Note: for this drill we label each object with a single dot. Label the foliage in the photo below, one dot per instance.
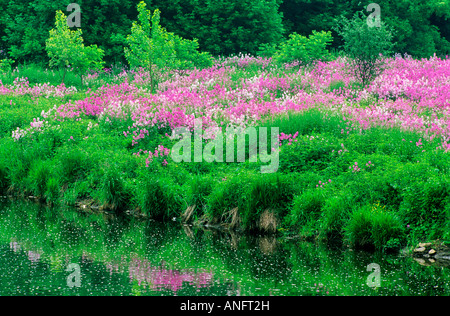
(151, 46)
(361, 165)
(303, 49)
(364, 45)
(224, 27)
(374, 227)
(66, 49)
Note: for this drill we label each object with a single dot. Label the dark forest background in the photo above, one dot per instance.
(222, 27)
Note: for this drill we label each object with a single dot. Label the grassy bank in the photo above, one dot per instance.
(338, 179)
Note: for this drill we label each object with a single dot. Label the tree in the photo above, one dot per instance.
(365, 45)
(224, 27)
(154, 48)
(65, 49)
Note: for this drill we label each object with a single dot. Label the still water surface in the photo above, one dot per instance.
(52, 251)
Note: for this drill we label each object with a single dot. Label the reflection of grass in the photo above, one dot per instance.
(252, 266)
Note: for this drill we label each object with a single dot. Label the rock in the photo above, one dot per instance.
(420, 261)
(424, 244)
(419, 249)
(432, 252)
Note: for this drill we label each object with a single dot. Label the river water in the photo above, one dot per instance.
(56, 251)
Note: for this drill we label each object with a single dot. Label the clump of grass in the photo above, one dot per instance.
(52, 193)
(374, 227)
(267, 201)
(306, 211)
(38, 176)
(226, 196)
(196, 195)
(335, 214)
(158, 197)
(114, 193)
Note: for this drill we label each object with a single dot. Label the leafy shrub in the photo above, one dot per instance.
(65, 49)
(313, 152)
(302, 48)
(152, 47)
(364, 44)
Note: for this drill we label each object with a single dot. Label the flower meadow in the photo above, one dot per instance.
(342, 147)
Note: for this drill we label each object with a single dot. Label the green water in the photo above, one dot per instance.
(123, 256)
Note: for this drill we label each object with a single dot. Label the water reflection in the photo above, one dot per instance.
(122, 256)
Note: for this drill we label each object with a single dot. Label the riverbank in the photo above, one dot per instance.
(365, 167)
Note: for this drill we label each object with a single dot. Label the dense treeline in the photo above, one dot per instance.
(222, 27)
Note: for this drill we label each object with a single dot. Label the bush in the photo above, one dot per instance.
(152, 47)
(364, 44)
(303, 49)
(65, 49)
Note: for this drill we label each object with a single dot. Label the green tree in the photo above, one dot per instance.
(364, 45)
(224, 27)
(65, 49)
(151, 46)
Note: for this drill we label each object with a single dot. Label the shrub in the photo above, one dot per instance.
(152, 47)
(302, 48)
(364, 44)
(65, 49)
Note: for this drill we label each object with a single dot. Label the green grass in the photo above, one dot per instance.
(98, 164)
